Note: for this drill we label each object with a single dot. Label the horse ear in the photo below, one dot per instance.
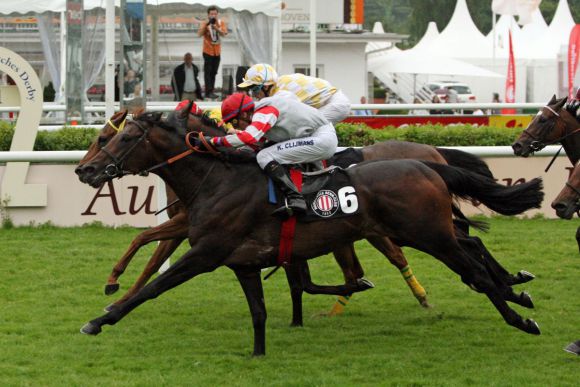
(119, 117)
(561, 103)
(553, 100)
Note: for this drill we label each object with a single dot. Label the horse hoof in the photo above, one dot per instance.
(111, 288)
(526, 300)
(573, 348)
(364, 284)
(523, 276)
(108, 308)
(532, 327)
(296, 324)
(424, 303)
(91, 329)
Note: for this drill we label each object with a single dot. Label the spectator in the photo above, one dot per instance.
(435, 100)
(365, 112)
(418, 112)
(211, 30)
(130, 81)
(496, 99)
(185, 83)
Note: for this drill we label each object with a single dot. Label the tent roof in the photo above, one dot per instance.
(414, 62)
(461, 38)
(430, 35)
(379, 48)
(561, 24)
(502, 28)
(268, 7)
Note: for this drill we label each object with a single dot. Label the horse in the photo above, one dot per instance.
(406, 200)
(568, 200)
(553, 124)
(174, 231)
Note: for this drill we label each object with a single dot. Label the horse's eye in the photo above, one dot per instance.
(126, 138)
(103, 141)
(542, 119)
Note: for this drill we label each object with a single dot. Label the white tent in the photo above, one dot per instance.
(504, 25)
(268, 7)
(561, 25)
(428, 37)
(379, 48)
(423, 62)
(461, 38)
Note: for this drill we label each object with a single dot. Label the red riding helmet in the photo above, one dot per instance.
(236, 103)
(195, 110)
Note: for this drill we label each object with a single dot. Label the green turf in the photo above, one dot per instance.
(52, 280)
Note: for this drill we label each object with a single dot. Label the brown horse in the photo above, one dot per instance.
(552, 125)
(174, 231)
(404, 200)
(568, 200)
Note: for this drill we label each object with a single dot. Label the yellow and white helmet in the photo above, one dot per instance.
(259, 75)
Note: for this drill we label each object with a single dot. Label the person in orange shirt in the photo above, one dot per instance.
(212, 30)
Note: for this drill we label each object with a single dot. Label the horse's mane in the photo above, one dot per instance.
(155, 119)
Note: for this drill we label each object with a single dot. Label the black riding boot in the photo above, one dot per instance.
(294, 201)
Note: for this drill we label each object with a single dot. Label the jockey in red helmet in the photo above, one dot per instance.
(301, 135)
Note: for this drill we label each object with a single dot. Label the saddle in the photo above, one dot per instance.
(328, 192)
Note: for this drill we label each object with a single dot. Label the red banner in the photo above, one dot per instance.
(573, 54)
(510, 82)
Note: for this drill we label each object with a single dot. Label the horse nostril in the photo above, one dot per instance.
(79, 170)
(517, 147)
(559, 206)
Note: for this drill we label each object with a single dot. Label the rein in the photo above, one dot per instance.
(115, 169)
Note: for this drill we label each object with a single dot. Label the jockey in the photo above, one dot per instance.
(301, 135)
(263, 81)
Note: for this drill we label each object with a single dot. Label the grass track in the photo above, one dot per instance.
(51, 282)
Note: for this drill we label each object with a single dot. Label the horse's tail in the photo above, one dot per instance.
(510, 200)
(464, 222)
(465, 160)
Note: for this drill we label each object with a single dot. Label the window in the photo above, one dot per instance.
(305, 69)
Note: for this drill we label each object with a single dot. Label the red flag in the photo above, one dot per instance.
(510, 82)
(573, 54)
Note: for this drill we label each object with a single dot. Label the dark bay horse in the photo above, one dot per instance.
(405, 200)
(568, 200)
(174, 231)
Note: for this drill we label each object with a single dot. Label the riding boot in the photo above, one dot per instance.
(294, 202)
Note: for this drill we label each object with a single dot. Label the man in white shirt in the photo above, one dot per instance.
(184, 82)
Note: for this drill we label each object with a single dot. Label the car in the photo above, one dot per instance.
(441, 88)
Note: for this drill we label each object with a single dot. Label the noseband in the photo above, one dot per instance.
(115, 169)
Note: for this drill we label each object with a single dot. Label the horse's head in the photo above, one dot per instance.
(142, 143)
(568, 200)
(546, 128)
(113, 126)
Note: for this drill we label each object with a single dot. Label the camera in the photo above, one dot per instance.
(212, 20)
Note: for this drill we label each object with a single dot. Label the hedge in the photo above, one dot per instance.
(78, 138)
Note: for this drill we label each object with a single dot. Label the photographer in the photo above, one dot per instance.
(211, 30)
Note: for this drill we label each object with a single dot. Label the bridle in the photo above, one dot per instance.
(538, 144)
(115, 169)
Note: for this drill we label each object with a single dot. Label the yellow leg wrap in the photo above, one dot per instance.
(418, 290)
(338, 307)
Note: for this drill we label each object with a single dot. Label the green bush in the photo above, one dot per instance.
(440, 135)
(78, 138)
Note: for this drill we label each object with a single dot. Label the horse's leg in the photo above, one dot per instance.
(188, 266)
(500, 276)
(175, 227)
(296, 289)
(352, 271)
(358, 285)
(161, 254)
(578, 237)
(252, 285)
(492, 264)
(395, 255)
(474, 273)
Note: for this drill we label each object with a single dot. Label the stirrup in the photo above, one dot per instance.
(286, 211)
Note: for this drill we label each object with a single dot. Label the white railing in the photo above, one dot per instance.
(166, 107)
(67, 156)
